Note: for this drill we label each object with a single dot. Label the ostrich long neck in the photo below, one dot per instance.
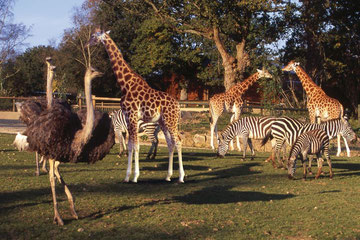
(90, 115)
(49, 80)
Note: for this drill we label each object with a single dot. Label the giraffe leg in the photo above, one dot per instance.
(170, 144)
(338, 145)
(129, 167)
(57, 218)
(136, 165)
(67, 191)
(37, 172)
(213, 130)
(181, 168)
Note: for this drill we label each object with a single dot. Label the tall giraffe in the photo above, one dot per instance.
(319, 104)
(141, 102)
(231, 101)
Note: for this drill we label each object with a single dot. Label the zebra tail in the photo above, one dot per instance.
(266, 139)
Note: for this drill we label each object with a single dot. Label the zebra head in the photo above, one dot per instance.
(347, 132)
(223, 146)
(291, 167)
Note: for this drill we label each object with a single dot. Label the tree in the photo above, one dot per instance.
(12, 36)
(234, 28)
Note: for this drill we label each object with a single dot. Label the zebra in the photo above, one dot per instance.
(246, 128)
(150, 129)
(287, 130)
(311, 142)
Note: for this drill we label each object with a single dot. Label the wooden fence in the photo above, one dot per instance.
(109, 104)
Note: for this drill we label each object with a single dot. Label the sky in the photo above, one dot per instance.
(47, 18)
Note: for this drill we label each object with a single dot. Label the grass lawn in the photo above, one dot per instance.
(221, 199)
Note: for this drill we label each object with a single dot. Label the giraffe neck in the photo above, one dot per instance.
(309, 86)
(123, 72)
(248, 82)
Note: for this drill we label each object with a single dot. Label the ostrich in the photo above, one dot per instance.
(64, 136)
(31, 109)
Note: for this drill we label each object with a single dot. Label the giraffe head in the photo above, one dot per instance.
(97, 37)
(264, 73)
(292, 65)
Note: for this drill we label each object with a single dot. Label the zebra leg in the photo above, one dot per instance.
(303, 161)
(330, 167)
(251, 148)
(320, 163)
(309, 166)
(244, 138)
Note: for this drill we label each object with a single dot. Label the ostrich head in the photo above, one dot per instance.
(90, 74)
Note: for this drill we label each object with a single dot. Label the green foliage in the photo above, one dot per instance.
(30, 72)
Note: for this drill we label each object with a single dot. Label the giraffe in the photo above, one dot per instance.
(231, 101)
(141, 102)
(319, 105)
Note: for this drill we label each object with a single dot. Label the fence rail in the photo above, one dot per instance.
(109, 104)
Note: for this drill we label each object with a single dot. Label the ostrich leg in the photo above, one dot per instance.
(43, 161)
(57, 218)
(37, 172)
(67, 191)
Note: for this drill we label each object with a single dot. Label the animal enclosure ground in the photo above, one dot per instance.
(221, 199)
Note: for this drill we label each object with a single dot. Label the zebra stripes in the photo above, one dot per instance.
(151, 130)
(287, 130)
(246, 128)
(311, 142)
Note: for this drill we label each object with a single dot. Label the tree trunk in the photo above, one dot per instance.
(183, 94)
(232, 66)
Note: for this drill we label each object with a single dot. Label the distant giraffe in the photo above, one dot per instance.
(231, 101)
(141, 102)
(319, 104)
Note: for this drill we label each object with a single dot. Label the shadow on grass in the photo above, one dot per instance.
(348, 169)
(222, 195)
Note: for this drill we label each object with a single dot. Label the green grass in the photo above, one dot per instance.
(221, 199)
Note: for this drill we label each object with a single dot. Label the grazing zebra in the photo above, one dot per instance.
(287, 130)
(151, 130)
(246, 128)
(311, 142)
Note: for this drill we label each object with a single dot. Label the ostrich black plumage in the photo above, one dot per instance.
(64, 136)
(31, 109)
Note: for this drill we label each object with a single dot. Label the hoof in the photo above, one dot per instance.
(290, 177)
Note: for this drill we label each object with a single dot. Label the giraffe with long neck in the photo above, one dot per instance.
(319, 105)
(141, 102)
(231, 101)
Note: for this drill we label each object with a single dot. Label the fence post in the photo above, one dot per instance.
(79, 103)
(13, 104)
(94, 101)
